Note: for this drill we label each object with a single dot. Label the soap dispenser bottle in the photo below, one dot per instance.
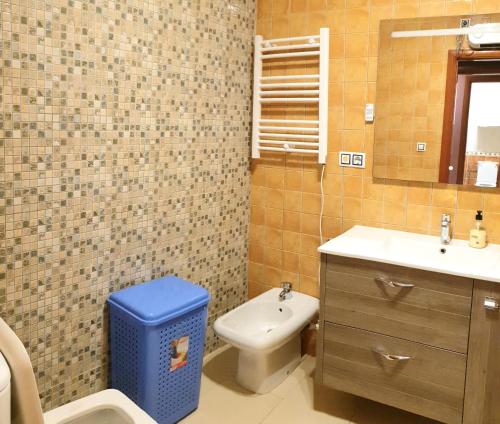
(477, 237)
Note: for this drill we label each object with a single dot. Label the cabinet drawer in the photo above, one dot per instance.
(430, 382)
(435, 309)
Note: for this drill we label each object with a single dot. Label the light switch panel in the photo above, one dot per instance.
(352, 159)
(345, 159)
(421, 147)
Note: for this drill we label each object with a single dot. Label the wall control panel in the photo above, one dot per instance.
(352, 159)
(369, 112)
(421, 147)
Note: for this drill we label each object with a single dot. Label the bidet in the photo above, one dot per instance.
(266, 330)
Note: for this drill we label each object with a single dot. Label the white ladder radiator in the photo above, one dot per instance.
(304, 136)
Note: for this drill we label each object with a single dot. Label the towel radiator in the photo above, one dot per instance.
(304, 136)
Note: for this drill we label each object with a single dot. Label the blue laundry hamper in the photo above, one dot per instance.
(157, 342)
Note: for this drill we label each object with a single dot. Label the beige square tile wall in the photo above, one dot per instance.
(285, 197)
(124, 147)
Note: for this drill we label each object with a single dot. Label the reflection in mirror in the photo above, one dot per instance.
(470, 153)
(483, 135)
(411, 83)
(436, 102)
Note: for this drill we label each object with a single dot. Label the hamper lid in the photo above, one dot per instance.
(160, 300)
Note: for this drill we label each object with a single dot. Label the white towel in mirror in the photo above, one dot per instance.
(487, 173)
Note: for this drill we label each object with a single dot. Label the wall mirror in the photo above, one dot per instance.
(438, 100)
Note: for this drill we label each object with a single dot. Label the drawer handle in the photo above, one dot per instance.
(491, 304)
(393, 283)
(390, 357)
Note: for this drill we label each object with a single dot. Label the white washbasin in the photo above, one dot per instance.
(417, 251)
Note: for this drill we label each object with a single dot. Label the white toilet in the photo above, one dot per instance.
(105, 407)
(4, 391)
(266, 330)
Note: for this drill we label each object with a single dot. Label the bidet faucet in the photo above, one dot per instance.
(445, 228)
(287, 288)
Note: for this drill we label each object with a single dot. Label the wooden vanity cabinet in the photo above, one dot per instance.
(412, 339)
(482, 391)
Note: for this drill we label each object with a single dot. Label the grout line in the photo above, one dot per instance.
(272, 410)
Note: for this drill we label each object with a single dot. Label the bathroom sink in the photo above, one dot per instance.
(455, 254)
(417, 251)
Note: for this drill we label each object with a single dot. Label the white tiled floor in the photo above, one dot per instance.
(296, 401)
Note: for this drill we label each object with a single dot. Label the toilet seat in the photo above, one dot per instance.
(107, 406)
(109, 403)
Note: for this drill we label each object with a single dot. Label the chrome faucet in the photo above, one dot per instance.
(445, 228)
(287, 288)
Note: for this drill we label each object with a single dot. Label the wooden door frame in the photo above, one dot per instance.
(449, 154)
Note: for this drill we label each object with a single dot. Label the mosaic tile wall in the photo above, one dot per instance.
(285, 198)
(124, 129)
